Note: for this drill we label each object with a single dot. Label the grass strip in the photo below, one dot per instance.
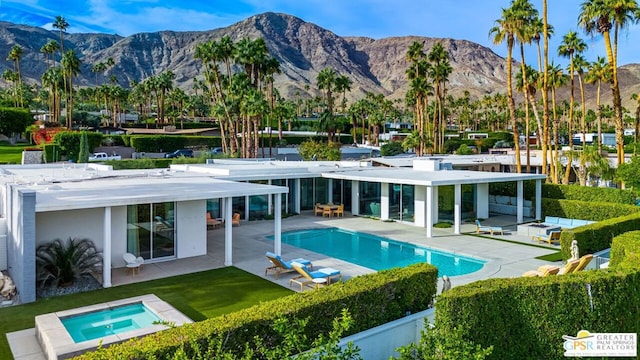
(202, 295)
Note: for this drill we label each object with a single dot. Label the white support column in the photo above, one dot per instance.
(420, 205)
(247, 204)
(457, 207)
(539, 199)
(296, 194)
(429, 218)
(355, 197)
(330, 191)
(277, 226)
(384, 201)
(435, 214)
(223, 209)
(228, 232)
(482, 201)
(519, 211)
(269, 202)
(106, 252)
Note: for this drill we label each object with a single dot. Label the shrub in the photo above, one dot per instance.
(598, 236)
(372, 300)
(60, 264)
(139, 164)
(311, 150)
(391, 149)
(70, 142)
(586, 210)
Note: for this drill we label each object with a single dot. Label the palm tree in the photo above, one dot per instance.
(49, 49)
(557, 79)
(70, 67)
(440, 71)
(15, 54)
(504, 31)
(636, 127)
(546, 32)
(164, 84)
(599, 17)
(52, 78)
(343, 84)
(570, 46)
(599, 71)
(579, 66)
(61, 24)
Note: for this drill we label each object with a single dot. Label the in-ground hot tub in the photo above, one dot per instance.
(70, 333)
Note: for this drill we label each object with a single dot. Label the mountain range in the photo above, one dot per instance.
(302, 48)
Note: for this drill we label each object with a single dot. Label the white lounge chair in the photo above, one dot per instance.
(133, 262)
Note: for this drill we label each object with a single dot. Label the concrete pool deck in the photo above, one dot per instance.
(250, 243)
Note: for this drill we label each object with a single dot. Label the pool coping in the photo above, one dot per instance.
(56, 342)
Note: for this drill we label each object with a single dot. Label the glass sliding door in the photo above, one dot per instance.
(164, 230)
(151, 230)
(401, 202)
(408, 203)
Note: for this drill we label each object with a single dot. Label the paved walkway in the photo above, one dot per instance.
(504, 259)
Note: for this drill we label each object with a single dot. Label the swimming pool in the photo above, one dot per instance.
(111, 321)
(378, 253)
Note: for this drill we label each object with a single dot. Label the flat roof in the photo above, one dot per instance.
(83, 187)
(409, 176)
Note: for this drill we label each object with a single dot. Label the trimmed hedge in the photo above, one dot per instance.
(525, 318)
(586, 210)
(372, 300)
(588, 193)
(567, 192)
(70, 142)
(597, 236)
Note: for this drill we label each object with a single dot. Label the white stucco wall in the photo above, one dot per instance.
(191, 228)
(118, 235)
(80, 224)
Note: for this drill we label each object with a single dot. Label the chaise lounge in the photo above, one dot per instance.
(552, 238)
(280, 266)
(313, 279)
(488, 229)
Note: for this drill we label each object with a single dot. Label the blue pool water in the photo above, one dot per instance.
(378, 253)
(102, 323)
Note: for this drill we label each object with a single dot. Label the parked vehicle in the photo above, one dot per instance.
(102, 156)
(216, 151)
(178, 153)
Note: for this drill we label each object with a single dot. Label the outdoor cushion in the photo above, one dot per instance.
(492, 199)
(551, 220)
(577, 222)
(564, 222)
(504, 200)
(527, 203)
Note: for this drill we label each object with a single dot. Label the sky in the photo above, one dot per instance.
(457, 19)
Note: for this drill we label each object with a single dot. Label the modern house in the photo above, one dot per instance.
(161, 215)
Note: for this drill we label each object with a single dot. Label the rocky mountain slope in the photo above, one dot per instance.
(302, 48)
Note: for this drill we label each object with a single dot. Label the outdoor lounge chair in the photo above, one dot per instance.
(552, 238)
(313, 279)
(133, 262)
(542, 271)
(212, 223)
(488, 229)
(583, 262)
(281, 266)
(569, 267)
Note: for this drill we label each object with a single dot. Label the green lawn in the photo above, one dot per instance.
(11, 154)
(200, 296)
